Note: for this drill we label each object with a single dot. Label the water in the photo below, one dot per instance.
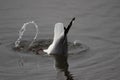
(97, 26)
(22, 30)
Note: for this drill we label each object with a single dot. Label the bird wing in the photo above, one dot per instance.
(69, 26)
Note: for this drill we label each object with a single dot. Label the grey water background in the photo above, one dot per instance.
(97, 25)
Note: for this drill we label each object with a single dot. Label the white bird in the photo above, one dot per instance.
(59, 44)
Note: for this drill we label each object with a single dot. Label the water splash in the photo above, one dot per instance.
(23, 29)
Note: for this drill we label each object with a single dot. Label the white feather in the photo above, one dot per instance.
(59, 44)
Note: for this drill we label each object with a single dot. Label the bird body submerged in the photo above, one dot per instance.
(59, 44)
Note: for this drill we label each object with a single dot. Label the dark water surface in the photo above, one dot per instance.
(97, 25)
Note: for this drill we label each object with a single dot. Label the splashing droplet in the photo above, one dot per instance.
(23, 29)
(76, 42)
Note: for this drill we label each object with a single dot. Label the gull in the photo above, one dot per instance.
(59, 44)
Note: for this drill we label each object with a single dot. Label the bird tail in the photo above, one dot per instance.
(59, 28)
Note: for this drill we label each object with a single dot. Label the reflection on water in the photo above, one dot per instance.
(62, 67)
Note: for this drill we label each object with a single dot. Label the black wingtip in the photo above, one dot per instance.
(69, 26)
(73, 19)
